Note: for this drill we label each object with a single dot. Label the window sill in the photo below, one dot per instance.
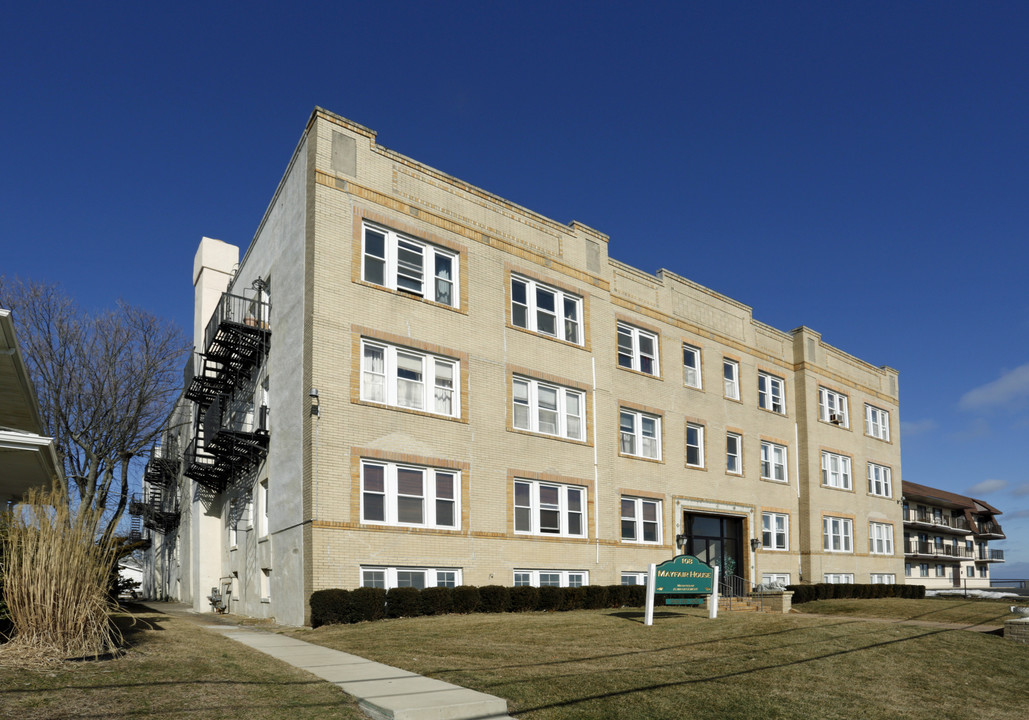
(530, 433)
(641, 457)
(700, 468)
(266, 600)
(409, 411)
(263, 539)
(411, 296)
(639, 372)
(839, 489)
(552, 338)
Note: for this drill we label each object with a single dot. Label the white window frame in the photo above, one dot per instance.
(697, 445)
(880, 538)
(633, 433)
(390, 576)
(431, 500)
(833, 407)
(770, 464)
(632, 356)
(395, 266)
(839, 578)
(265, 579)
(731, 378)
(880, 480)
(783, 578)
(262, 509)
(877, 422)
(692, 374)
(836, 471)
(385, 385)
(532, 521)
(552, 578)
(775, 531)
(634, 578)
(530, 314)
(733, 458)
(529, 414)
(837, 534)
(633, 511)
(771, 393)
(883, 578)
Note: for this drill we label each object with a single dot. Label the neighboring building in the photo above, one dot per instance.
(28, 458)
(947, 538)
(407, 380)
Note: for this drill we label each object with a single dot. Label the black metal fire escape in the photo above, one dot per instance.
(231, 432)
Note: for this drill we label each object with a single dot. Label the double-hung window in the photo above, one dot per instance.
(731, 378)
(637, 349)
(770, 394)
(640, 434)
(641, 520)
(416, 577)
(773, 461)
(409, 265)
(546, 310)
(879, 480)
(886, 578)
(405, 378)
(410, 496)
(551, 578)
(691, 371)
(877, 423)
(775, 531)
(548, 409)
(733, 453)
(694, 445)
(835, 470)
(542, 508)
(837, 534)
(832, 407)
(880, 538)
(840, 578)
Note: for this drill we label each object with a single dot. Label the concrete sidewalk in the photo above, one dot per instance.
(383, 692)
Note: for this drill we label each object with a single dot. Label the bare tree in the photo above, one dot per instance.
(106, 383)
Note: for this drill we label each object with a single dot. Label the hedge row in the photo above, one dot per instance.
(330, 607)
(830, 591)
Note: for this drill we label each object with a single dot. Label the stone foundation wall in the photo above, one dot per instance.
(1017, 630)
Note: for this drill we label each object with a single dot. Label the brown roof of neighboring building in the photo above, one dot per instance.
(973, 504)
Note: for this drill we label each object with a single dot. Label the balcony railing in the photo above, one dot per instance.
(238, 328)
(951, 550)
(989, 555)
(989, 527)
(958, 523)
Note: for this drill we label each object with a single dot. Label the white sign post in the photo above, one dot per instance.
(651, 579)
(712, 599)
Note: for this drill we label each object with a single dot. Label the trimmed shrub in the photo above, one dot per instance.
(617, 595)
(402, 602)
(436, 600)
(466, 599)
(330, 607)
(636, 596)
(494, 598)
(549, 598)
(594, 597)
(524, 598)
(367, 604)
(574, 598)
(829, 591)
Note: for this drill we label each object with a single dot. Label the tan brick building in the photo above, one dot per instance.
(409, 380)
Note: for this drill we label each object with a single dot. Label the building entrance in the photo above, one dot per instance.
(715, 540)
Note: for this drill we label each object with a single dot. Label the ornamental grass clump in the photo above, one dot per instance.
(55, 577)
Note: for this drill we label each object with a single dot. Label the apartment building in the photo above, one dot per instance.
(947, 538)
(409, 381)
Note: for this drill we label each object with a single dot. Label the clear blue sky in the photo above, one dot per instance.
(860, 168)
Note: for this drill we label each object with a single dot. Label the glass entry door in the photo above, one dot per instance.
(715, 540)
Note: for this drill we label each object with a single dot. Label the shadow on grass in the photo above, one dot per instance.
(724, 676)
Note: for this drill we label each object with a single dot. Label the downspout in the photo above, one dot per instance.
(596, 468)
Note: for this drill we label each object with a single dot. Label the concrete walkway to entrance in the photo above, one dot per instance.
(382, 691)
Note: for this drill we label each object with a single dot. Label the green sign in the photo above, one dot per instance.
(684, 574)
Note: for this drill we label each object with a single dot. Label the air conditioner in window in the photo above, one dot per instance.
(836, 419)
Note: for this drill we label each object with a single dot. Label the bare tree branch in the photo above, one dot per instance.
(105, 382)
